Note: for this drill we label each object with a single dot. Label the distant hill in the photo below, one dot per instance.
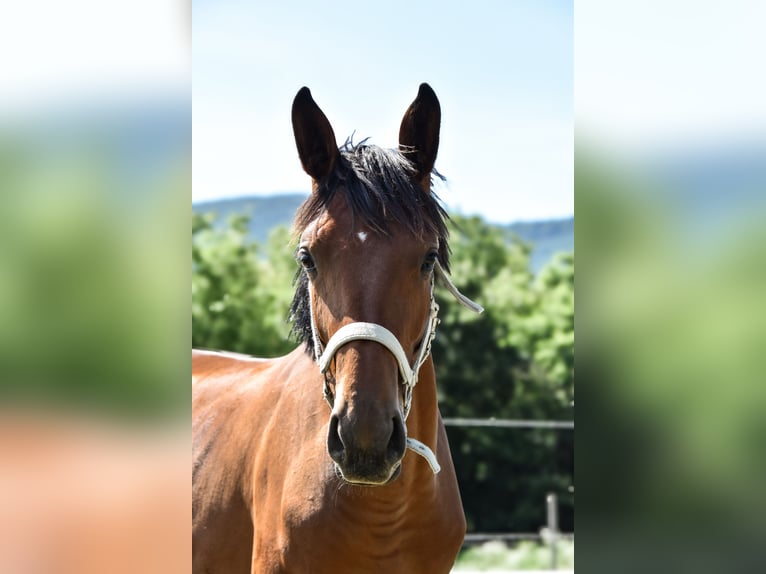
(547, 237)
(265, 212)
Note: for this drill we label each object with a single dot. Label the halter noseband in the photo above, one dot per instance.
(374, 332)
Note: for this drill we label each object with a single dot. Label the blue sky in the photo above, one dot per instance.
(503, 72)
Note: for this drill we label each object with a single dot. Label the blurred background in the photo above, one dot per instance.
(94, 167)
(95, 159)
(670, 189)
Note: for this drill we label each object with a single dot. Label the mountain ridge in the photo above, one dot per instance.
(547, 236)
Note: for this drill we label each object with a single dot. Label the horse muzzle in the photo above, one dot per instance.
(367, 451)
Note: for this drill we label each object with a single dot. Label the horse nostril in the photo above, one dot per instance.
(397, 444)
(334, 443)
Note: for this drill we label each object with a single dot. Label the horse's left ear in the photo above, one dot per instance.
(419, 132)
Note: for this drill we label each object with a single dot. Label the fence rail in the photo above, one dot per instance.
(508, 423)
(478, 537)
(549, 535)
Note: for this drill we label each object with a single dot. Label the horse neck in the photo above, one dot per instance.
(423, 421)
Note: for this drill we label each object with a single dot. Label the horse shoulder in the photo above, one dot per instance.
(291, 466)
(232, 406)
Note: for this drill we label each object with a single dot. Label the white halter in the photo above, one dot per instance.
(379, 334)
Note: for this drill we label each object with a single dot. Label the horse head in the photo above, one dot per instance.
(371, 235)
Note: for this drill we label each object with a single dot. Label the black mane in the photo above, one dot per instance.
(379, 186)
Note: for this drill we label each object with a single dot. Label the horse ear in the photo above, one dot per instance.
(419, 132)
(314, 137)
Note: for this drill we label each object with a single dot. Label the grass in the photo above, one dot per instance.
(525, 555)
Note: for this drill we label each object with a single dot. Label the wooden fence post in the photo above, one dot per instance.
(553, 528)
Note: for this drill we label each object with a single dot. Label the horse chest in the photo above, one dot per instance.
(348, 529)
(365, 545)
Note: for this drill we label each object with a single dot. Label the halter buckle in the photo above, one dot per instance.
(327, 394)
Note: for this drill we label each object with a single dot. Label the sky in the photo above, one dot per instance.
(503, 72)
(680, 74)
(662, 78)
(63, 57)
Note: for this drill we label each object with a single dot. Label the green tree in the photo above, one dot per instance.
(514, 361)
(239, 298)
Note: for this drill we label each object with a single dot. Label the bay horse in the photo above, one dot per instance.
(280, 483)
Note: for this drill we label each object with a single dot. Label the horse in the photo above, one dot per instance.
(283, 484)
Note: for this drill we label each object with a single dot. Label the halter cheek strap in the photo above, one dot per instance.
(374, 332)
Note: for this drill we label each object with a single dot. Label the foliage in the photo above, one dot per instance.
(674, 351)
(514, 361)
(239, 300)
(90, 315)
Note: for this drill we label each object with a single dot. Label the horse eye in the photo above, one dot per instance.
(428, 264)
(306, 261)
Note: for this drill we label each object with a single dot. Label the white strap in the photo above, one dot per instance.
(368, 332)
(421, 449)
(462, 299)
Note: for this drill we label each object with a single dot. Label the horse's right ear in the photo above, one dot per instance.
(419, 132)
(314, 137)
